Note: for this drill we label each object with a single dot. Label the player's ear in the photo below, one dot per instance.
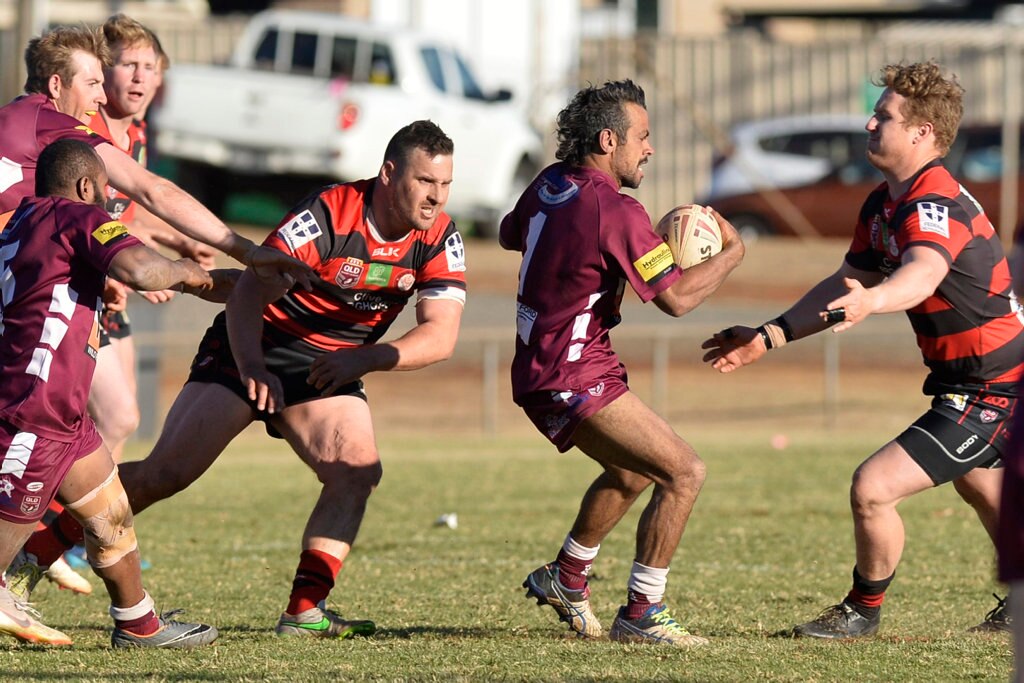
(607, 140)
(54, 86)
(387, 172)
(85, 189)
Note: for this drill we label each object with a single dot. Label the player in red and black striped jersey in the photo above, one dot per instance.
(922, 245)
(295, 359)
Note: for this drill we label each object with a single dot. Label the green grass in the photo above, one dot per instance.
(769, 545)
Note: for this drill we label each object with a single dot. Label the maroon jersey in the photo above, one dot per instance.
(581, 241)
(29, 124)
(971, 329)
(118, 204)
(54, 254)
(364, 280)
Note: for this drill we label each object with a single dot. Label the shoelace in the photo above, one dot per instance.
(665, 620)
(167, 617)
(27, 608)
(995, 610)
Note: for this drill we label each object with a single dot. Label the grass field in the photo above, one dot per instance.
(768, 546)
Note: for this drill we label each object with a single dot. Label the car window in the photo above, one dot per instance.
(432, 61)
(266, 52)
(838, 147)
(382, 65)
(303, 53)
(469, 85)
(343, 58)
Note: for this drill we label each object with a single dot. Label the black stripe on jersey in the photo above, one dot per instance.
(317, 323)
(660, 276)
(995, 363)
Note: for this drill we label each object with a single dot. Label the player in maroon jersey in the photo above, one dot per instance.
(582, 240)
(295, 359)
(65, 82)
(922, 245)
(55, 254)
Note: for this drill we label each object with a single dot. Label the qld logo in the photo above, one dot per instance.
(349, 273)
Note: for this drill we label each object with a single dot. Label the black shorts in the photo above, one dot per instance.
(964, 429)
(114, 325)
(215, 364)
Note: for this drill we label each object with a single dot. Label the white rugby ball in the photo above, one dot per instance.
(692, 234)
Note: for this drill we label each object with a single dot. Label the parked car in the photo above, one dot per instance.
(836, 175)
(311, 96)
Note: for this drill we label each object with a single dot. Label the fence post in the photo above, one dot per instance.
(831, 368)
(489, 403)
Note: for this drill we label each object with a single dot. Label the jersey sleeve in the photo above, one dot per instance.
(305, 232)
(861, 254)
(443, 275)
(93, 235)
(628, 240)
(939, 223)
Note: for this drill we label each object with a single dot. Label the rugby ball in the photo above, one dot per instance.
(692, 234)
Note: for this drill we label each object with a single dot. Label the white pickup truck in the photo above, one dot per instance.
(310, 97)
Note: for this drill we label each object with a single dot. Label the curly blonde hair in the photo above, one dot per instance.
(929, 97)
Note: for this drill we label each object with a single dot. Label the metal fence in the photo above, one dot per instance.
(697, 88)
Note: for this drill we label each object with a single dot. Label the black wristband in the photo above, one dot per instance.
(765, 338)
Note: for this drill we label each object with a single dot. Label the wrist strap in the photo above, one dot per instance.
(775, 333)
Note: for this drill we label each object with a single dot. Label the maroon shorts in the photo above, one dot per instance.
(557, 414)
(33, 469)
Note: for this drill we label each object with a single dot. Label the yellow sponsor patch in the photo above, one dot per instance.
(654, 262)
(87, 129)
(109, 230)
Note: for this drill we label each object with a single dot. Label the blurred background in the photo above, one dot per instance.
(757, 107)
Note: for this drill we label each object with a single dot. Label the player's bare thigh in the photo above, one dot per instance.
(124, 348)
(628, 434)
(200, 425)
(335, 429)
(889, 476)
(111, 394)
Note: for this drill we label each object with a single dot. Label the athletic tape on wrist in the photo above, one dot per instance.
(774, 333)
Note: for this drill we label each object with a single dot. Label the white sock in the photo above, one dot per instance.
(648, 581)
(134, 612)
(580, 552)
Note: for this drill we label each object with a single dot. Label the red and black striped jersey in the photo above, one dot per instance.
(364, 280)
(119, 205)
(970, 330)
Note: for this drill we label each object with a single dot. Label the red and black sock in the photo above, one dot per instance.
(867, 596)
(313, 581)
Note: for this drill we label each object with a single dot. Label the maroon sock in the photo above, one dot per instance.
(637, 605)
(50, 542)
(314, 579)
(572, 571)
(145, 625)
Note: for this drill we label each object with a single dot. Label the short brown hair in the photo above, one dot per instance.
(122, 31)
(52, 52)
(929, 96)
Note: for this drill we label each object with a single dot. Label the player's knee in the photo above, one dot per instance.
(361, 477)
(689, 471)
(115, 426)
(108, 523)
(866, 494)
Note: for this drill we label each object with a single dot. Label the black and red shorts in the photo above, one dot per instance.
(967, 427)
(215, 364)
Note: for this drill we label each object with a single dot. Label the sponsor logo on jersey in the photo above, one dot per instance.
(349, 273)
(997, 401)
(86, 129)
(406, 281)
(30, 504)
(597, 389)
(876, 226)
(300, 230)
(955, 401)
(385, 252)
(933, 217)
(654, 262)
(525, 317)
(966, 444)
(989, 415)
(378, 274)
(110, 232)
(556, 190)
(35, 486)
(364, 301)
(455, 252)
